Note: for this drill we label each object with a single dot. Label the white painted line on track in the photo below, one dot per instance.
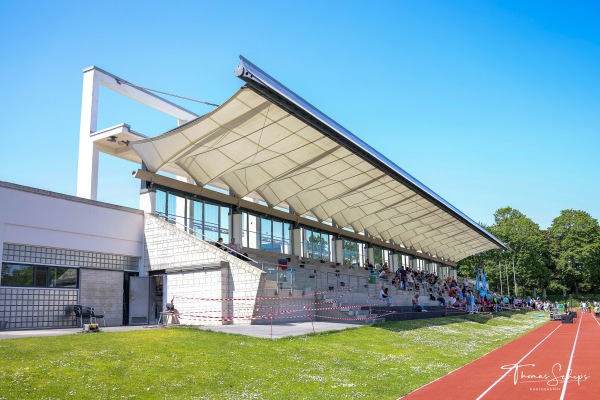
(568, 371)
(518, 362)
(596, 319)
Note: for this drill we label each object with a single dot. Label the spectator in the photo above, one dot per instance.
(219, 243)
(440, 298)
(233, 246)
(411, 281)
(416, 305)
(403, 278)
(470, 302)
(383, 295)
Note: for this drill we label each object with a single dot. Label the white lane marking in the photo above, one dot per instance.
(517, 363)
(596, 319)
(564, 389)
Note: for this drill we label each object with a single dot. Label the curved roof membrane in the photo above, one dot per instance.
(266, 139)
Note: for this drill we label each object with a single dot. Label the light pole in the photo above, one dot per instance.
(500, 273)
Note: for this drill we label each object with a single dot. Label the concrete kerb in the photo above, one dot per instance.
(275, 331)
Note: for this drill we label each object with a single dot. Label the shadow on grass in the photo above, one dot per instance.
(449, 320)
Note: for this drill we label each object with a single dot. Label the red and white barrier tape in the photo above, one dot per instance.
(251, 299)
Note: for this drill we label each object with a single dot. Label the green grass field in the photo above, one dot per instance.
(384, 361)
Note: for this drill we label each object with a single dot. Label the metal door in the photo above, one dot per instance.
(139, 300)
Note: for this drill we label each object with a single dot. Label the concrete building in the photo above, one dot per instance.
(307, 201)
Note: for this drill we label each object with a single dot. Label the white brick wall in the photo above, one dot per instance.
(197, 271)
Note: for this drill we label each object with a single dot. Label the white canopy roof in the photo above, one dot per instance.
(264, 142)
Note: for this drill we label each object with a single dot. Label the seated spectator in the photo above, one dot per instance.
(383, 295)
(234, 247)
(415, 304)
(383, 275)
(452, 292)
(440, 298)
(219, 243)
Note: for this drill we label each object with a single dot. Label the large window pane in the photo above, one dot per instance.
(325, 255)
(377, 255)
(41, 277)
(253, 234)
(211, 222)
(196, 218)
(278, 244)
(266, 235)
(171, 207)
(17, 275)
(224, 224)
(350, 252)
(316, 245)
(287, 238)
(161, 203)
(63, 277)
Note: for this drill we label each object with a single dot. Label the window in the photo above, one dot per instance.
(377, 255)
(266, 233)
(351, 252)
(317, 245)
(39, 276)
(205, 220)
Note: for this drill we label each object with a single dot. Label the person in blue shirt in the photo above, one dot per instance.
(470, 302)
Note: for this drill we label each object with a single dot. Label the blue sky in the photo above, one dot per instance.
(490, 104)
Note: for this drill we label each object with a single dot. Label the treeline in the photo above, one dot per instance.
(565, 259)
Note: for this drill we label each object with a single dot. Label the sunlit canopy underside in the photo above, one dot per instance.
(253, 145)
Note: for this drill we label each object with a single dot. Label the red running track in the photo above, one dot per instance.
(532, 367)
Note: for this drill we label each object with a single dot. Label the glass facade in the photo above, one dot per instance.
(209, 221)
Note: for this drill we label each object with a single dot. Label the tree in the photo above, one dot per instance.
(527, 248)
(575, 248)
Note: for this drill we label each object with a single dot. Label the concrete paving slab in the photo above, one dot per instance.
(280, 330)
(274, 331)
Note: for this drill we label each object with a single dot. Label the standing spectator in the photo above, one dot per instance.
(403, 278)
(411, 281)
(470, 302)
